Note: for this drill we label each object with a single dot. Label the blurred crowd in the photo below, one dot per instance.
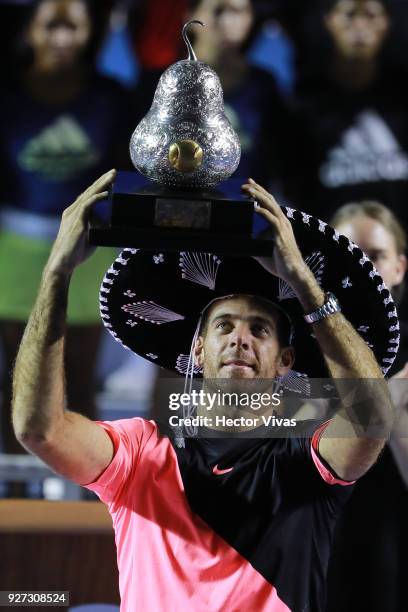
(317, 92)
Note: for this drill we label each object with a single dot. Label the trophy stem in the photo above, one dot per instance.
(191, 55)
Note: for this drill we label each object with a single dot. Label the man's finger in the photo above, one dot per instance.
(264, 199)
(268, 216)
(255, 184)
(102, 181)
(94, 198)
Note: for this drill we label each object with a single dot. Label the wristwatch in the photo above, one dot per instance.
(330, 307)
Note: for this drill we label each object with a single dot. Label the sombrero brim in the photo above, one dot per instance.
(151, 302)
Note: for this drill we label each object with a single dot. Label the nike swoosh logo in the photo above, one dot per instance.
(219, 472)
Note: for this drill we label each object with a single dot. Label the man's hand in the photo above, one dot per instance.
(347, 356)
(69, 443)
(287, 261)
(71, 247)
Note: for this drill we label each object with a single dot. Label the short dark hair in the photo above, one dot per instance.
(284, 325)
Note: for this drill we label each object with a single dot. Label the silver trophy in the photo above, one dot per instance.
(182, 149)
(185, 140)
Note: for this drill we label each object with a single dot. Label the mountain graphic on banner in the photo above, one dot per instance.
(60, 151)
(368, 153)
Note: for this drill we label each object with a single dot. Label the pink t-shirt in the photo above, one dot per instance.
(168, 557)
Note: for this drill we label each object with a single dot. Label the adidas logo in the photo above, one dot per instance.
(59, 151)
(368, 152)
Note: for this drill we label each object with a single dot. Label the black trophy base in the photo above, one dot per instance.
(150, 217)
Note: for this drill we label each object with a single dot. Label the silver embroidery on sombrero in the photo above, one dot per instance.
(315, 261)
(374, 272)
(306, 218)
(182, 365)
(363, 259)
(336, 235)
(152, 356)
(131, 322)
(129, 293)
(296, 382)
(105, 289)
(352, 245)
(122, 260)
(392, 349)
(395, 327)
(200, 268)
(158, 259)
(395, 340)
(290, 212)
(152, 312)
(388, 300)
(392, 313)
(363, 328)
(346, 282)
(112, 271)
(132, 251)
(322, 226)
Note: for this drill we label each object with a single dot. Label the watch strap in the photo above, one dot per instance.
(329, 308)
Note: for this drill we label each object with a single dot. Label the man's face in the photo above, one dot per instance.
(58, 33)
(241, 342)
(379, 244)
(358, 27)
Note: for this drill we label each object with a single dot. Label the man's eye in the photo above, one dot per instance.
(222, 324)
(259, 329)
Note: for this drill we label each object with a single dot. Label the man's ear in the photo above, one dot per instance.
(401, 269)
(286, 360)
(198, 352)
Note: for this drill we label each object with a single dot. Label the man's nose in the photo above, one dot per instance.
(361, 22)
(62, 37)
(241, 336)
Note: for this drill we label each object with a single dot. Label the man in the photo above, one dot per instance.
(350, 579)
(209, 525)
(345, 138)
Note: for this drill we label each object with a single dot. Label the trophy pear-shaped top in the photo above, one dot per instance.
(189, 87)
(186, 140)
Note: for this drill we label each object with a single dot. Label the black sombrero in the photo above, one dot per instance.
(151, 302)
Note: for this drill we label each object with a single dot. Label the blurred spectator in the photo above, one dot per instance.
(61, 126)
(251, 97)
(347, 138)
(369, 561)
(378, 233)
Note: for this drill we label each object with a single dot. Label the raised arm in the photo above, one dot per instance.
(347, 444)
(69, 443)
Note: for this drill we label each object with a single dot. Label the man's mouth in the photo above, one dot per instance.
(239, 363)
